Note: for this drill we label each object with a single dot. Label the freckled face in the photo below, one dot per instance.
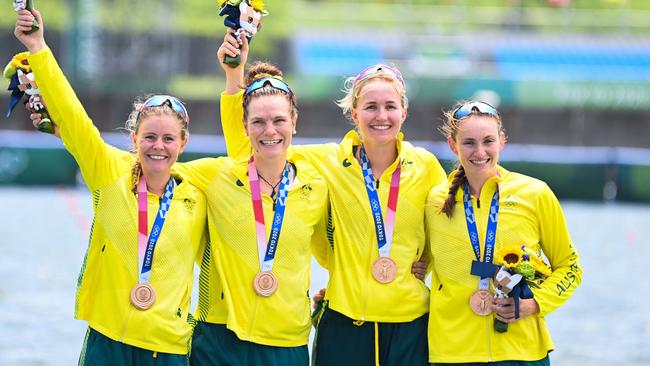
(158, 143)
(270, 125)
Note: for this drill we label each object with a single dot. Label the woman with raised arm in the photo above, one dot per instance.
(261, 314)
(376, 309)
(267, 214)
(483, 218)
(148, 227)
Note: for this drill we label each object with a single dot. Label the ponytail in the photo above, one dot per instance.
(135, 175)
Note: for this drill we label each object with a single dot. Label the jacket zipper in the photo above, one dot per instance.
(488, 318)
(489, 332)
(250, 328)
(126, 322)
(368, 279)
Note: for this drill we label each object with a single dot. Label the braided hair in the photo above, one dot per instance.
(450, 201)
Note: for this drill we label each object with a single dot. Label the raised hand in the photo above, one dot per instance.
(231, 47)
(34, 41)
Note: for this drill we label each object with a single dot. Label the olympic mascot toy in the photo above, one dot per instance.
(21, 82)
(244, 16)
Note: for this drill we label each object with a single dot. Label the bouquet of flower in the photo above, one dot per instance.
(21, 82)
(521, 269)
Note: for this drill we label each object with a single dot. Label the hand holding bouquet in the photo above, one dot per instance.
(521, 269)
(21, 82)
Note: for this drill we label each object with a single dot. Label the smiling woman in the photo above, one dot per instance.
(125, 293)
(159, 132)
(518, 212)
(272, 200)
(270, 117)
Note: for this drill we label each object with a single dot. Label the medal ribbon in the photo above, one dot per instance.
(490, 236)
(383, 229)
(266, 251)
(146, 245)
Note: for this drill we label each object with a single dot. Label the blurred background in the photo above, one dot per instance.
(571, 79)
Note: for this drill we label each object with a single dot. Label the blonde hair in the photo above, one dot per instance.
(353, 87)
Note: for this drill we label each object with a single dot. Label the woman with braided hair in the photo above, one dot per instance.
(149, 224)
(482, 209)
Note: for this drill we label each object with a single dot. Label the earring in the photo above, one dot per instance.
(294, 132)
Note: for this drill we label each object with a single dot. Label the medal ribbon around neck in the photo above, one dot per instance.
(266, 251)
(491, 234)
(146, 245)
(383, 229)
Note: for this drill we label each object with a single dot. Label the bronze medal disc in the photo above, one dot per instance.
(143, 296)
(384, 270)
(265, 283)
(480, 302)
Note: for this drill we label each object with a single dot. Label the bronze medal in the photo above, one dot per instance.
(384, 270)
(265, 283)
(143, 296)
(480, 302)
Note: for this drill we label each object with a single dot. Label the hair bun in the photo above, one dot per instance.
(262, 70)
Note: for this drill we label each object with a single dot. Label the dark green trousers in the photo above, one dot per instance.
(339, 341)
(216, 345)
(543, 362)
(99, 350)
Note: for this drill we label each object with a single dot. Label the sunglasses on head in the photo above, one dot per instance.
(374, 69)
(274, 82)
(481, 107)
(160, 100)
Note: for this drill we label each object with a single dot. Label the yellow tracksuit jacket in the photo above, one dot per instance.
(351, 289)
(529, 214)
(282, 319)
(110, 268)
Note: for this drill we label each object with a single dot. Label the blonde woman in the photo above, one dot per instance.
(148, 227)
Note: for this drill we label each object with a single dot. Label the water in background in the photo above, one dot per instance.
(44, 234)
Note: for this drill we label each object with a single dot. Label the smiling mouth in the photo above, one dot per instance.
(156, 157)
(381, 127)
(480, 162)
(270, 142)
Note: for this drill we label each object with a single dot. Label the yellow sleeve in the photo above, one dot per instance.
(199, 172)
(322, 241)
(562, 255)
(232, 123)
(99, 162)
